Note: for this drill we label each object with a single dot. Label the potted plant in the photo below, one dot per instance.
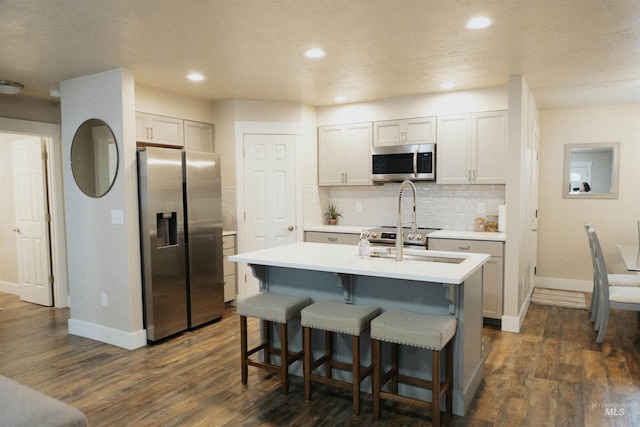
(332, 214)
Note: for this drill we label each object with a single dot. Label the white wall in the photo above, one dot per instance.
(424, 105)
(103, 257)
(563, 257)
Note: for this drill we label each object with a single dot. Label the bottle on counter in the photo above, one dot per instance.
(364, 247)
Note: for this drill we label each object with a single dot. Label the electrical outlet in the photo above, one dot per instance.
(104, 300)
(481, 208)
(358, 207)
(117, 217)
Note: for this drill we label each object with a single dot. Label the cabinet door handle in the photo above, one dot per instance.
(332, 239)
(464, 248)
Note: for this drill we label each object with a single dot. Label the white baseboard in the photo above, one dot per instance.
(127, 340)
(9, 288)
(564, 284)
(514, 323)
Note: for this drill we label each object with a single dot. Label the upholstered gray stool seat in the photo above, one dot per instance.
(400, 327)
(335, 317)
(270, 307)
(24, 406)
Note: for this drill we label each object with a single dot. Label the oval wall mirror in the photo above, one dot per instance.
(94, 158)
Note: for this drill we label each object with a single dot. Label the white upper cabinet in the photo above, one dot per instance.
(472, 148)
(344, 155)
(198, 136)
(489, 134)
(407, 131)
(159, 130)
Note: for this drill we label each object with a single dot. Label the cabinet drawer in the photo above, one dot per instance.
(473, 246)
(228, 267)
(336, 238)
(229, 288)
(228, 241)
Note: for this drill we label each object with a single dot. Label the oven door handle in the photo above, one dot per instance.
(415, 163)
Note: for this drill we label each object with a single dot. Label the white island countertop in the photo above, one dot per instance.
(344, 259)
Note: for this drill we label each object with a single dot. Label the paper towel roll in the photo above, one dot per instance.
(502, 218)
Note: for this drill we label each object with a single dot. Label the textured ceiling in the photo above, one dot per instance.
(571, 52)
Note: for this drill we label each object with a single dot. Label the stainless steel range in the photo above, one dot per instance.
(386, 236)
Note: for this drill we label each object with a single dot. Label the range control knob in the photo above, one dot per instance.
(374, 234)
(419, 236)
(410, 236)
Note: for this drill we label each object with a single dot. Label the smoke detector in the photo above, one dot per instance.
(10, 88)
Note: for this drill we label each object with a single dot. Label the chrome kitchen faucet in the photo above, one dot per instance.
(414, 224)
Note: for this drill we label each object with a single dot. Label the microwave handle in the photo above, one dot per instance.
(415, 163)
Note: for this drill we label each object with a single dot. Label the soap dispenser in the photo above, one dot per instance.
(363, 247)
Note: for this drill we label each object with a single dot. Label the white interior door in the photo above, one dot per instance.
(32, 228)
(270, 193)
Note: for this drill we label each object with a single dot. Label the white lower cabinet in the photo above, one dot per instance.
(492, 271)
(229, 267)
(336, 238)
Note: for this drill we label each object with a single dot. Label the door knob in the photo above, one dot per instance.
(17, 230)
(291, 228)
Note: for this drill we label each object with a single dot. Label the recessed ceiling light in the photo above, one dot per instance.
(340, 99)
(478, 22)
(195, 77)
(315, 53)
(448, 85)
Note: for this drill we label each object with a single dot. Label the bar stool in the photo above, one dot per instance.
(400, 327)
(270, 307)
(335, 317)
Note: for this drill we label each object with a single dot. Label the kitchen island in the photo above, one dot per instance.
(430, 282)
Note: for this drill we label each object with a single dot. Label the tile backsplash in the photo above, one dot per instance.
(437, 206)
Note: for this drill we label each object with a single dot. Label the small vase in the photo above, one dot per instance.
(333, 221)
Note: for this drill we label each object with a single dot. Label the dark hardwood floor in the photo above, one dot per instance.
(552, 373)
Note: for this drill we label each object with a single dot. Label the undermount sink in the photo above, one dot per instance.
(416, 255)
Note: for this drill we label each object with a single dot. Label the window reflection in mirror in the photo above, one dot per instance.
(94, 158)
(591, 170)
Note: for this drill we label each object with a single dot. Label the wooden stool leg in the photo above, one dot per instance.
(327, 354)
(394, 367)
(376, 359)
(266, 342)
(306, 347)
(284, 358)
(243, 349)
(355, 373)
(435, 387)
(449, 376)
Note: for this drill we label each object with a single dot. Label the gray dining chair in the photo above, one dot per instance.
(619, 297)
(613, 279)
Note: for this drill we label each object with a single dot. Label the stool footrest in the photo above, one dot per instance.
(407, 400)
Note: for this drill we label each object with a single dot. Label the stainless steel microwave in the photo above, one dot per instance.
(400, 162)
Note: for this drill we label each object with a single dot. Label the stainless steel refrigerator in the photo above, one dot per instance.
(180, 238)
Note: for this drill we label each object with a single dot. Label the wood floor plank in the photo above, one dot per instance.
(552, 373)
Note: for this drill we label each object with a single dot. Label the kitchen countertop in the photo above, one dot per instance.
(344, 229)
(344, 259)
(468, 235)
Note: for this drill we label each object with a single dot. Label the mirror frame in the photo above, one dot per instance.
(78, 138)
(566, 181)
